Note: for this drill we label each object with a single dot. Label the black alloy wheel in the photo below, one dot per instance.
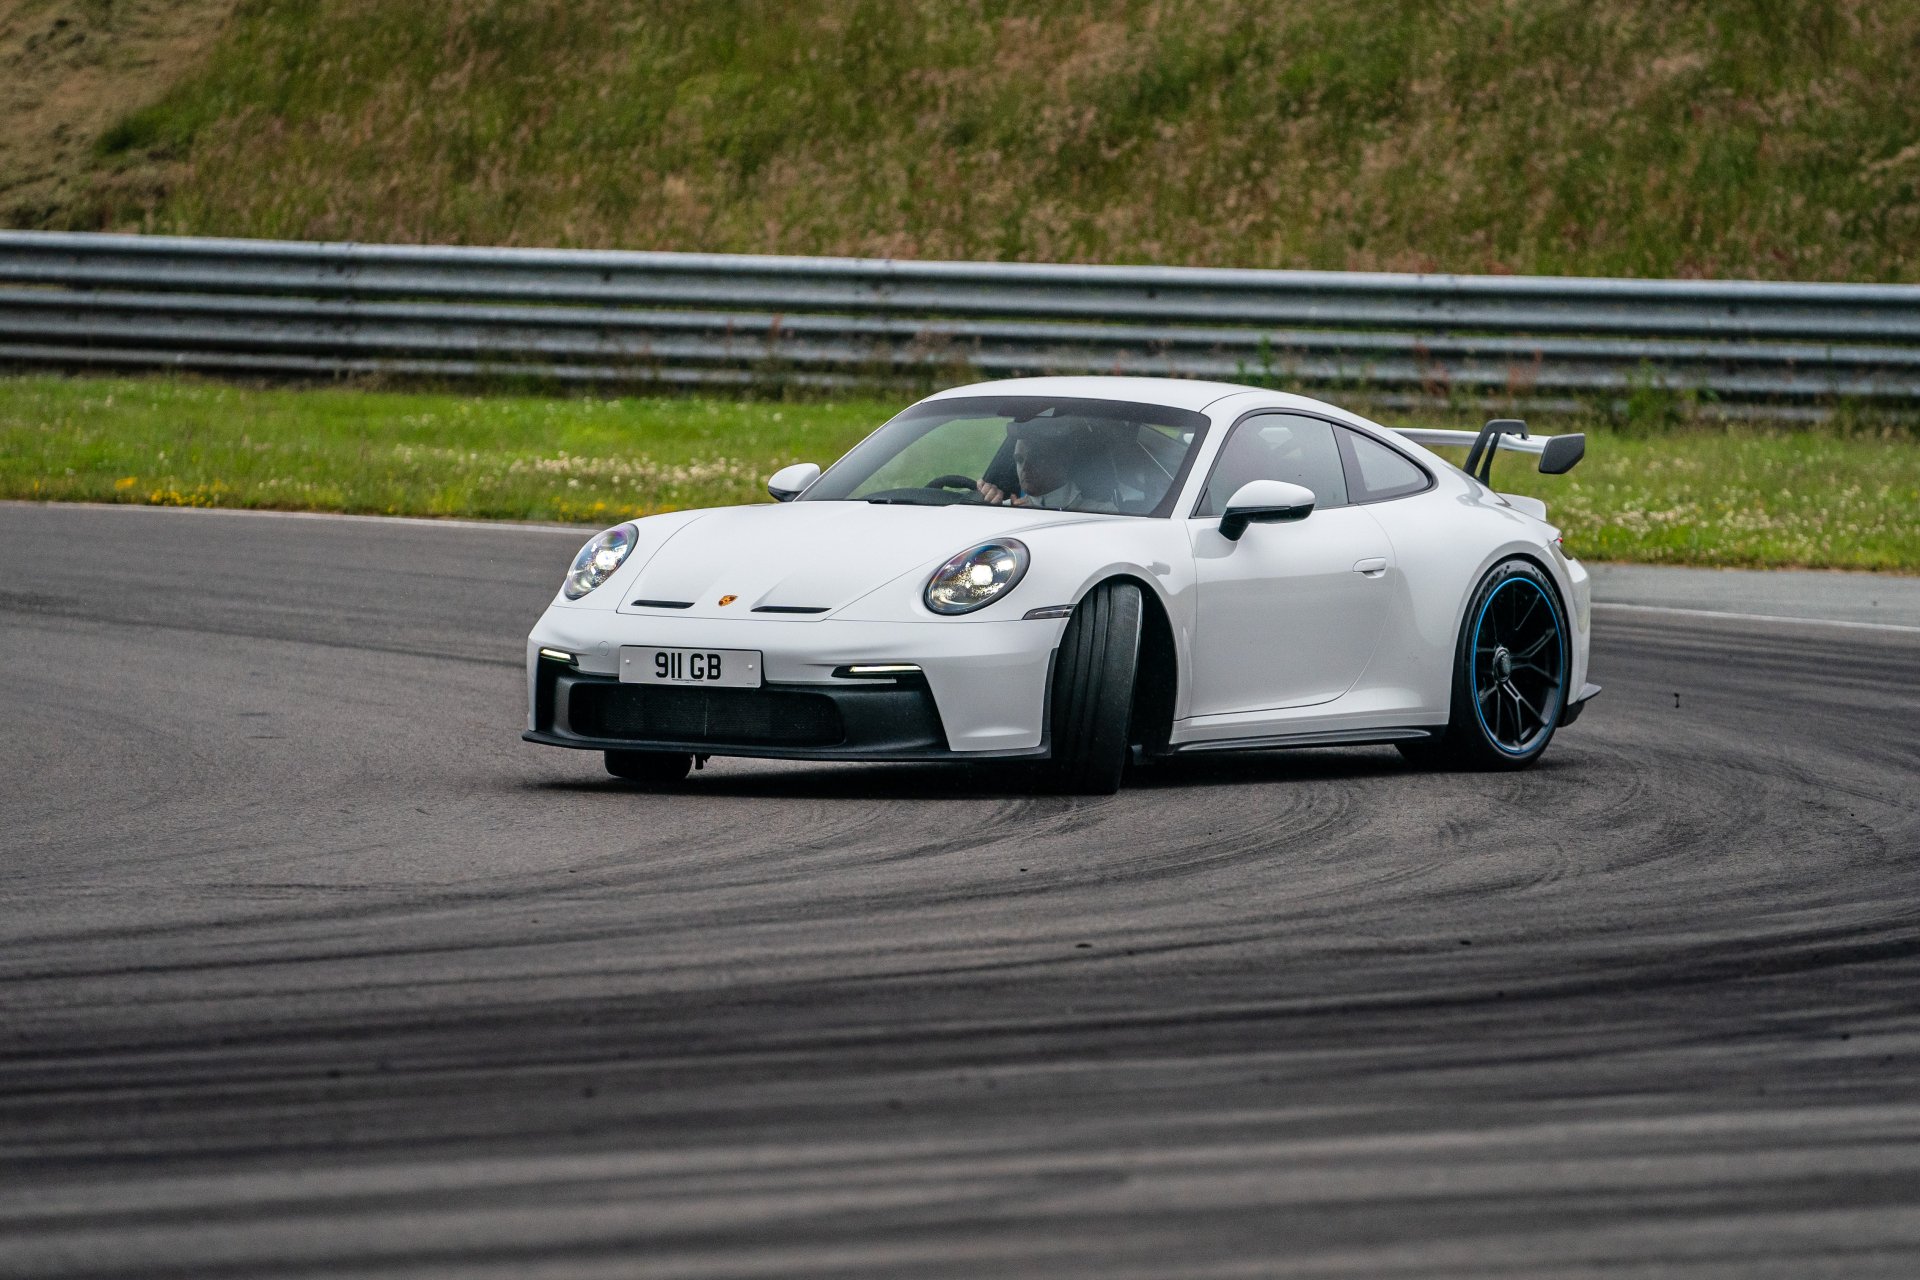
(1519, 665)
(1510, 674)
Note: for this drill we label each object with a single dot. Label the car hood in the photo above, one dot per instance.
(811, 555)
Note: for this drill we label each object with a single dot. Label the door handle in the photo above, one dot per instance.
(1371, 567)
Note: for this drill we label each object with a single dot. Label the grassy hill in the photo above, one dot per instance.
(1739, 138)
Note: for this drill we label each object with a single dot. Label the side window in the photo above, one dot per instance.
(1376, 473)
(1277, 446)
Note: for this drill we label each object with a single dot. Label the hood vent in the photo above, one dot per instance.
(663, 604)
(787, 608)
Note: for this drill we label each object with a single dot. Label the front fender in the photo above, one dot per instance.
(655, 532)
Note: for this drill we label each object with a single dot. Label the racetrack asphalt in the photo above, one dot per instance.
(312, 967)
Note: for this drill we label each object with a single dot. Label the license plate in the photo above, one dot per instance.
(716, 668)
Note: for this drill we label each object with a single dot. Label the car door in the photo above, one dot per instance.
(1288, 615)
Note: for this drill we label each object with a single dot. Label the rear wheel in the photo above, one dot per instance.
(1509, 677)
(1093, 690)
(650, 768)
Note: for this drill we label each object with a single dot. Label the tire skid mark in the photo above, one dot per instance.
(1635, 1007)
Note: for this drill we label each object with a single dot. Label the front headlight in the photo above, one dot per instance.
(977, 577)
(596, 562)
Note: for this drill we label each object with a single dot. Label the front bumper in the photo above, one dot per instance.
(981, 694)
(893, 720)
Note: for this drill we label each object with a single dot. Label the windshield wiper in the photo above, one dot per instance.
(921, 498)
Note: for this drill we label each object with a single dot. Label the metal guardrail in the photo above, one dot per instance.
(315, 309)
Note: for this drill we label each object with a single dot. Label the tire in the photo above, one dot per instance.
(1093, 690)
(650, 768)
(1510, 668)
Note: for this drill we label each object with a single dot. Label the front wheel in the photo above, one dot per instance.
(650, 768)
(1509, 675)
(1093, 690)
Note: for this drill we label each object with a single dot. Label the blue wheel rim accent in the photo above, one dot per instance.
(1506, 673)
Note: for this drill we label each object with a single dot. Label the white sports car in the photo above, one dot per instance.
(1083, 572)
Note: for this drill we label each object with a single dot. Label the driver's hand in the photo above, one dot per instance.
(993, 493)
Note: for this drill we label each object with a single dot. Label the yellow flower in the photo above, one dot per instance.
(126, 482)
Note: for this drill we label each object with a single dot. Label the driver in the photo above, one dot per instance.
(1043, 457)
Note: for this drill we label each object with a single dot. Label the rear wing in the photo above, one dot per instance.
(1558, 454)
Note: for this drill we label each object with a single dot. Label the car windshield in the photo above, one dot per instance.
(1057, 454)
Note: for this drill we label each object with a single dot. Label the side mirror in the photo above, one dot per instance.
(787, 483)
(1264, 502)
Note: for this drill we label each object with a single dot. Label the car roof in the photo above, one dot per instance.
(1174, 393)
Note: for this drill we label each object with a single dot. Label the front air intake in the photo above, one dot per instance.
(741, 717)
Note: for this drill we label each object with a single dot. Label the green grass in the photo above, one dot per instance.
(1734, 495)
(1737, 496)
(1742, 138)
(587, 461)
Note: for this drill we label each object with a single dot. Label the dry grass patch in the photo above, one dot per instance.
(71, 72)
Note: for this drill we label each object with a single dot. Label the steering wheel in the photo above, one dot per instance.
(951, 482)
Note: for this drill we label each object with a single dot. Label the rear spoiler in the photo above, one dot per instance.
(1558, 454)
